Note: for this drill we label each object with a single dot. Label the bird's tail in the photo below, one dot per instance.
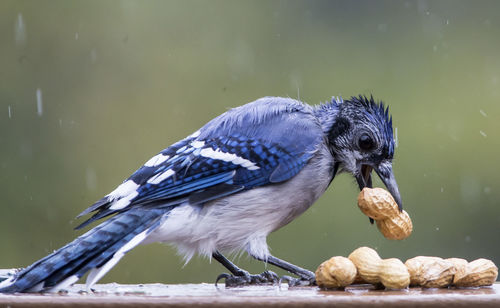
(97, 251)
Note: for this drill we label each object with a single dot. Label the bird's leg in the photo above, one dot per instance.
(306, 277)
(241, 277)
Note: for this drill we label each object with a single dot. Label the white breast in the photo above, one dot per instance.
(242, 221)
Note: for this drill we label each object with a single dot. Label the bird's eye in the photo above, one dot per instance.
(366, 142)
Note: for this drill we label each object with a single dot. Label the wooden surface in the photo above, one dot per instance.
(150, 295)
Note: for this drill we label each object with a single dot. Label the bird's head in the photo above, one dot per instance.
(361, 140)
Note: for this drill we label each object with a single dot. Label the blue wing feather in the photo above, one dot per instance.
(267, 141)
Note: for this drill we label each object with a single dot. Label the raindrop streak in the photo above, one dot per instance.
(481, 111)
(91, 179)
(482, 133)
(93, 55)
(76, 36)
(10, 113)
(20, 30)
(39, 105)
(396, 143)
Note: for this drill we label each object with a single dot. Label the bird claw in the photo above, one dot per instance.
(267, 277)
(221, 276)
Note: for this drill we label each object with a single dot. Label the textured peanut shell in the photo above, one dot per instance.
(480, 272)
(377, 203)
(336, 272)
(367, 262)
(430, 272)
(394, 274)
(415, 268)
(460, 267)
(396, 228)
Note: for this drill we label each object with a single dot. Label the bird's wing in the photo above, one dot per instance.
(264, 142)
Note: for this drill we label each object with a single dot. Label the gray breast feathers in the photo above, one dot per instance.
(242, 221)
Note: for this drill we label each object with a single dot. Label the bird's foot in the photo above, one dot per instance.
(306, 278)
(298, 282)
(245, 279)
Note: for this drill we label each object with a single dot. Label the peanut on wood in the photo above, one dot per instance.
(434, 272)
(336, 272)
(478, 273)
(392, 273)
(430, 272)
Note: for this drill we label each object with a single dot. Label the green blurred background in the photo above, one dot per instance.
(89, 90)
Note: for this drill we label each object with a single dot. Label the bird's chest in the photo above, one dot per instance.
(270, 207)
(303, 190)
(231, 222)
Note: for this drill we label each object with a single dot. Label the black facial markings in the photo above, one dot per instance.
(338, 129)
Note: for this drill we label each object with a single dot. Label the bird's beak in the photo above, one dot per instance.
(384, 171)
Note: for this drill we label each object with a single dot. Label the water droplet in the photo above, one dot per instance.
(482, 133)
(442, 189)
(10, 112)
(76, 36)
(467, 239)
(447, 21)
(39, 103)
(20, 30)
(481, 111)
(437, 228)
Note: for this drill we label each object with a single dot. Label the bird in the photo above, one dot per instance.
(226, 187)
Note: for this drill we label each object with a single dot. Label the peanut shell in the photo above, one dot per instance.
(377, 203)
(336, 272)
(396, 228)
(430, 272)
(460, 267)
(394, 274)
(480, 272)
(367, 262)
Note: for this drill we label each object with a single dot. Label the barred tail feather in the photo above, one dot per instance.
(97, 251)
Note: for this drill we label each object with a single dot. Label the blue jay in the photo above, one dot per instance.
(226, 187)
